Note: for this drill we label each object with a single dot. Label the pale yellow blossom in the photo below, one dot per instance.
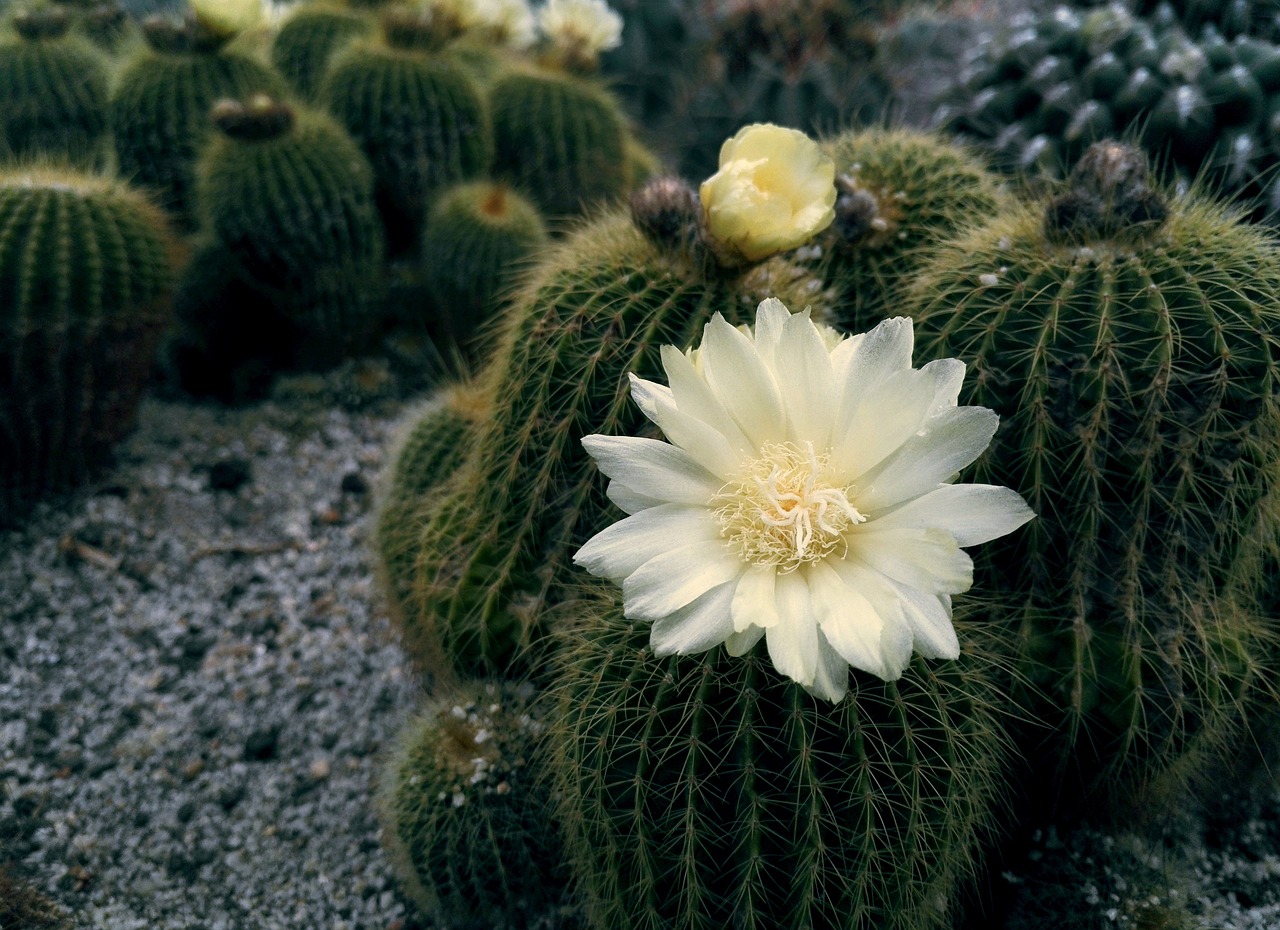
(774, 191)
(228, 17)
(582, 29)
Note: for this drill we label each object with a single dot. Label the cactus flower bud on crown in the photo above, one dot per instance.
(506, 22)
(228, 17)
(584, 28)
(806, 496)
(774, 191)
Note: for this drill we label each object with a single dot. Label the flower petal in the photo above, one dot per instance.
(630, 501)
(891, 412)
(739, 644)
(847, 619)
(881, 351)
(755, 600)
(933, 633)
(793, 641)
(926, 559)
(972, 513)
(694, 396)
(953, 439)
(831, 676)
(652, 468)
(697, 626)
(948, 376)
(620, 548)
(771, 316)
(648, 395)
(703, 443)
(808, 384)
(885, 599)
(675, 578)
(742, 382)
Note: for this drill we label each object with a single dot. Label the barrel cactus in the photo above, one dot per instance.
(290, 195)
(161, 102)
(53, 90)
(306, 42)
(1127, 340)
(468, 816)
(86, 268)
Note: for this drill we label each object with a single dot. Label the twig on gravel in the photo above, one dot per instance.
(243, 548)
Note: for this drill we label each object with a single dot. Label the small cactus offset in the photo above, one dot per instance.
(598, 305)
(478, 236)
(86, 268)
(468, 816)
(307, 41)
(559, 139)
(290, 195)
(900, 192)
(160, 106)
(708, 791)
(1129, 343)
(417, 115)
(53, 91)
(433, 448)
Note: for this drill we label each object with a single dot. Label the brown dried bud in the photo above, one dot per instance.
(48, 23)
(258, 119)
(1109, 194)
(666, 210)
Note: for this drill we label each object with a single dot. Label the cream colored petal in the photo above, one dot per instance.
(696, 627)
(704, 443)
(954, 438)
(948, 376)
(933, 632)
(621, 548)
(648, 395)
(882, 351)
(890, 413)
(847, 619)
(755, 600)
(771, 316)
(808, 384)
(831, 675)
(694, 396)
(972, 513)
(675, 578)
(739, 644)
(652, 468)
(896, 634)
(928, 560)
(793, 641)
(742, 383)
(630, 501)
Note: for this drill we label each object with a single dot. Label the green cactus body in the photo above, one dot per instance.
(160, 114)
(85, 273)
(1133, 361)
(431, 450)
(559, 139)
(707, 791)
(468, 820)
(308, 40)
(502, 530)
(53, 96)
(420, 120)
(478, 236)
(294, 202)
(901, 192)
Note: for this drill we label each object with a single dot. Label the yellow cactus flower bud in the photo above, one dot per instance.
(228, 17)
(774, 191)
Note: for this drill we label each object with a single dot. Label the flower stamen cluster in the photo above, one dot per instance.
(783, 511)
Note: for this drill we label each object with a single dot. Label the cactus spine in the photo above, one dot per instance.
(468, 817)
(707, 791)
(559, 139)
(477, 237)
(308, 40)
(1128, 343)
(501, 531)
(291, 196)
(53, 91)
(417, 115)
(900, 192)
(160, 107)
(85, 272)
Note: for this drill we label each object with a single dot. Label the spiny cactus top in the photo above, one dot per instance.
(805, 497)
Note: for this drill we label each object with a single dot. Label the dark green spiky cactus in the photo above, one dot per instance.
(559, 139)
(307, 41)
(477, 238)
(85, 273)
(502, 530)
(1130, 344)
(416, 114)
(160, 106)
(431, 450)
(53, 91)
(900, 192)
(468, 817)
(290, 195)
(708, 791)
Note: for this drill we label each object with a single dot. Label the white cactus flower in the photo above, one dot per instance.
(805, 496)
(583, 28)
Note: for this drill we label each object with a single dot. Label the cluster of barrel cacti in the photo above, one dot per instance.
(1203, 105)
(1126, 334)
